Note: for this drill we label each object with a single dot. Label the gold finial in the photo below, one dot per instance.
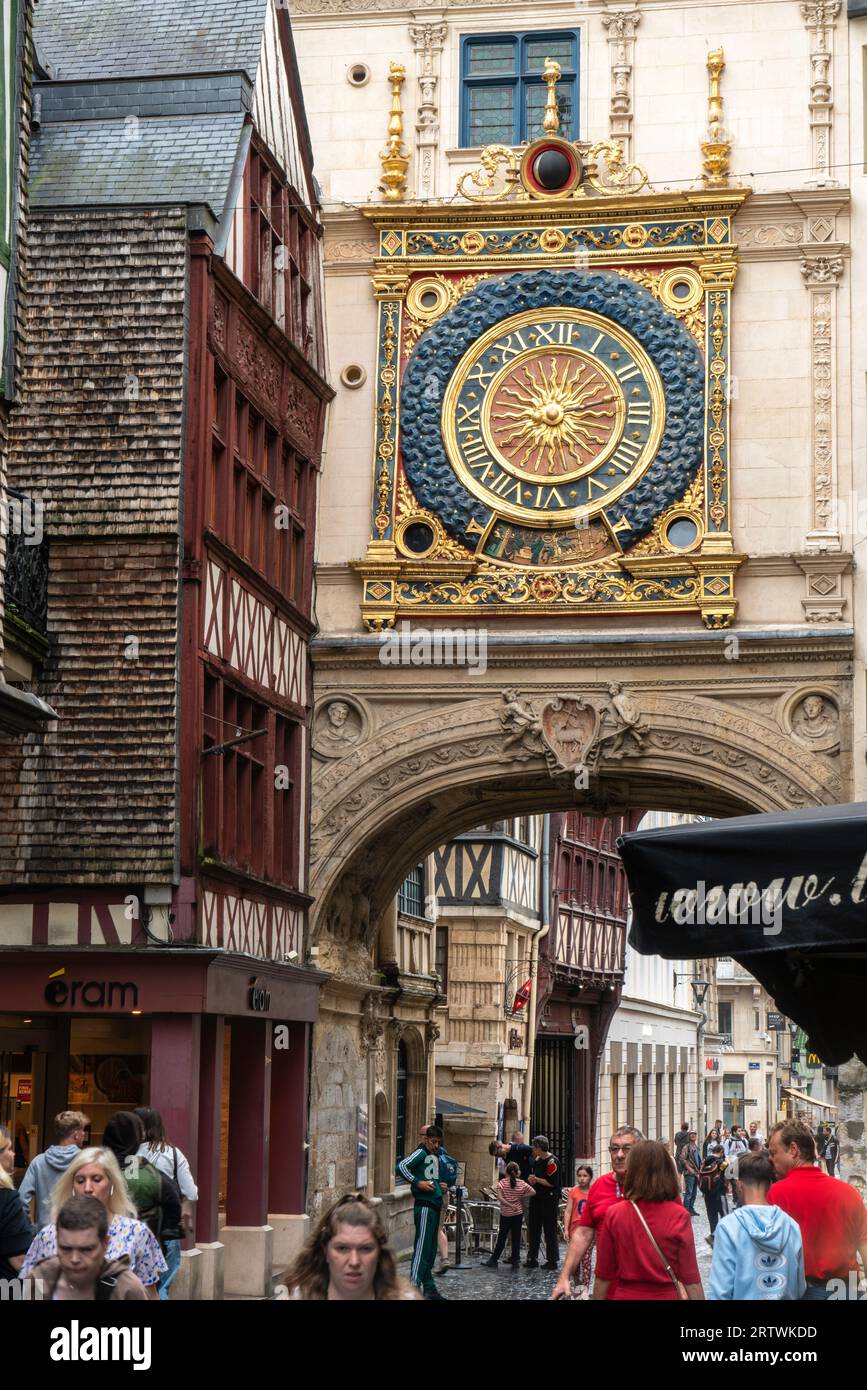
(395, 157)
(717, 145)
(551, 74)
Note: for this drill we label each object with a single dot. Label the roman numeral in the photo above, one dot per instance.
(595, 345)
(468, 419)
(483, 468)
(638, 413)
(474, 449)
(508, 350)
(505, 487)
(591, 484)
(544, 335)
(479, 374)
(627, 373)
(552, 492)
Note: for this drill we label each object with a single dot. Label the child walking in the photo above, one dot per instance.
(511, 1190)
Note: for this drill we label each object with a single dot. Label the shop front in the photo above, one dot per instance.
(217, 1042)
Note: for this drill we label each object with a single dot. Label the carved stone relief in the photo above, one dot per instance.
(338, 725)
(572, 732)
(825, 601)
(821, 276)
(428, 40)
(812, 716)
(621, 26)
(820, 16)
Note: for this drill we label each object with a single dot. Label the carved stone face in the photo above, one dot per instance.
(813, 706)
(338, 713)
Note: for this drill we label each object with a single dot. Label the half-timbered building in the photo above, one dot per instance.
(172, 394)
(581, 971)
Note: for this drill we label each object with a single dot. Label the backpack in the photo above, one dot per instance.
(157, 1198)
(448, 1168)
(709, 1181)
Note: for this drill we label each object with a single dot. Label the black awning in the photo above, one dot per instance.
(785, 894)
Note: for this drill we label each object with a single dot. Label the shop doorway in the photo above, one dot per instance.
(733, 1100)
(25, 1049)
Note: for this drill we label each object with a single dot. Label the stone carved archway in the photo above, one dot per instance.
(422, 777)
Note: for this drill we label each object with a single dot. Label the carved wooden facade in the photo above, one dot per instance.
(172, 399)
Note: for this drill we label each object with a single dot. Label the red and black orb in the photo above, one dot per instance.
(551, 168)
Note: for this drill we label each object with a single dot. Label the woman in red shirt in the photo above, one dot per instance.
(625, 1251)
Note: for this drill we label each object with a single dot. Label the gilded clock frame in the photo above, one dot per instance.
(687, 236)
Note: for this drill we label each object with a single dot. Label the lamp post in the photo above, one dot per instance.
(700, 987)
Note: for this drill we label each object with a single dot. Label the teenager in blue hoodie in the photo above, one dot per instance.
(757, 1251)
(40, 1180)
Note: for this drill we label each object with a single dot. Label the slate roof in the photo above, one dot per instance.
(173, 160)
(121, 38)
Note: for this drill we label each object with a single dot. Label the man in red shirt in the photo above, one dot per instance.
(604, 1192)
(831, 1215)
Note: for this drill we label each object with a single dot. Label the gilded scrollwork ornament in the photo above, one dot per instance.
(497, 179)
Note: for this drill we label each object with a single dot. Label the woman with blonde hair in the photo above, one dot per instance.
(347, 1258)
(16, 1232)
(95, 1173)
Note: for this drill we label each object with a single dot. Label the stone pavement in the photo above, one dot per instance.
(478, 1284)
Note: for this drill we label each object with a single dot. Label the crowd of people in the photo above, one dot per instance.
(795, 1232)
(101, 1222)
(106, 1223)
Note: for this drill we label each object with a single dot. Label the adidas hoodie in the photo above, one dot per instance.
(757, 1254)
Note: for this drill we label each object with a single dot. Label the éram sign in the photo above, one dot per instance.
(259, 998)
(91, 994)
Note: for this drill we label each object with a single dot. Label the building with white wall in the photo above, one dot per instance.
(650, 1071)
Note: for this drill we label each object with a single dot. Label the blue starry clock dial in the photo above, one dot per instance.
(553, 399)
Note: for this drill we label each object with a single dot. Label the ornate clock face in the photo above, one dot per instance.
(550, 417)
(549, 414)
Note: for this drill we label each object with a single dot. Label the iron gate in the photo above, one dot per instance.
(552, 1110)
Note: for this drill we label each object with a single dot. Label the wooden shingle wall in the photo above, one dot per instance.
(98, 438)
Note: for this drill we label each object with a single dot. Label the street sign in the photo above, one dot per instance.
(755, 1066)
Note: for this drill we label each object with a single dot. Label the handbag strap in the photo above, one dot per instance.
(668, 1269)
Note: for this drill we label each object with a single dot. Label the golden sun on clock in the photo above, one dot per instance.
(552, 413)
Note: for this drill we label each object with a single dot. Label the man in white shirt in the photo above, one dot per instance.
(734, 1146)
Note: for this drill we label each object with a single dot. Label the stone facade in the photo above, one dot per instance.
(721, 721)
(749, 1057)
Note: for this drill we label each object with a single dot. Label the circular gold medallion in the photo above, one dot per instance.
(552, 412)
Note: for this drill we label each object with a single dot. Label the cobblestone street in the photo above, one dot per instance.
(478, 1284)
